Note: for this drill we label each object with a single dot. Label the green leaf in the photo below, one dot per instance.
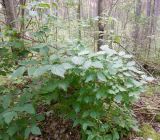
(28, 62)
(116, 135)
(29, 108)
(54, 4)
(12, 130)
(35, 130)
(97, 64)
(118, 98)
(131, 63)
(50, 86)
(85, 52)
(67, 66)
(90, 77)
(78, 60)
(77, 108)
(18, 109)
(5, 137)
(117, 39)
(127, 74)
(44, 5)
(129, 85)
(91, 137)
(41, 70)
(121, 53)
(108, 51)
(8, 116)
(27, 133)
(6, 100)
(87, 64)
(108, 137)
(58, 70)
(100, 94)
(86, 124)
(94, 114)
(31, 71)
(63, 85)
(137, 83)
(44, 51)
(39, 46)
(85, 114)
(18, 72)
(101, 77)
(117, 64)
(121, 89)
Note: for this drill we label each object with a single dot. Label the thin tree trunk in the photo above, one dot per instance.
(22, 21)
(10, 13)
(22, 26)
(138, 6)
(79, 20)
(10, 17)
(152, 27)
(100, 25)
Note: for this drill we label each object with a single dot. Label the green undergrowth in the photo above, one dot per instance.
(146, 131)
(152, 89)
(94, 90)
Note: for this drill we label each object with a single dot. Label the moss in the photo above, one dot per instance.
(147, 131)
(157, 118)
(152, 89)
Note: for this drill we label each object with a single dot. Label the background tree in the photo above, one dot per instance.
(100, 23)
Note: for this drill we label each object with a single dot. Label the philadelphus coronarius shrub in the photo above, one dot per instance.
(95, 90)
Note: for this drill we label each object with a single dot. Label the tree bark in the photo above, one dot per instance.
(152, 26)
(22, 25)
(137, 36)
(148, 8)
(157, 7)
(10, 13)
(100, 25)
(79, 20)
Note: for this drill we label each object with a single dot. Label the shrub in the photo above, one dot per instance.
(95, 90)
(18, 118)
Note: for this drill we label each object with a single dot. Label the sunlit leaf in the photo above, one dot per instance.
(35, 130)
(29, 108)
(118, 98)
(108, 50)
(101, 77)
(8, 116)
(58, 70)
(41, 70)
(78, 60)
(97, 64)
(6, 100)
(44, 5)
(18, 72)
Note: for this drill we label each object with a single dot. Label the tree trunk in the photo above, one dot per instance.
(152, 27)
(100, 25)
(79, 19)
(148, 8)
(22, 25)
(10, 13)
(138, 7)
(157, 7)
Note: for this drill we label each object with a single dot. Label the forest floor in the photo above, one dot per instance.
(147, 113)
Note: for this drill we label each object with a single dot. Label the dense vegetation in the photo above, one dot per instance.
(78, 68)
